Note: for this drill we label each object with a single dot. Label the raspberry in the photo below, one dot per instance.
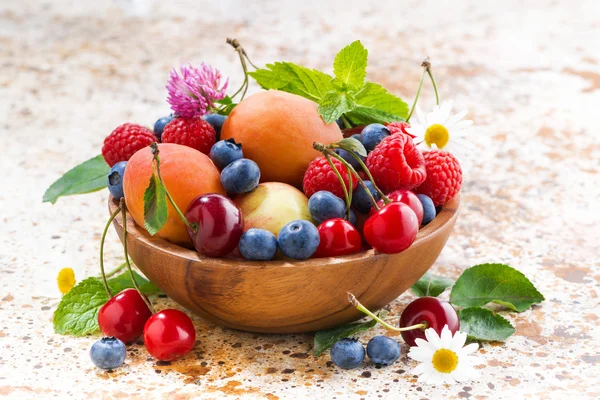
(444, 177)
(320, 176)
(396, 164)
(192, 132)
(125, 141)
(399, 127)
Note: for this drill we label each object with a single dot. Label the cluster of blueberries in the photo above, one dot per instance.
(349, 353)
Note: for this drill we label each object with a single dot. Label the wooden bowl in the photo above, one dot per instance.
(284, 296)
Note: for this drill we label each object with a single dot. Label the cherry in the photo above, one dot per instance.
(432, 311)
(169, 334)
(338, 237)
(403, 196)
(124, 316)
(219, 224)
(392, 229)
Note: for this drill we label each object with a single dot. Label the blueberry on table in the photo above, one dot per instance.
(347, 353)
(217, 121)
(372, 134)
(159, 126)
(383, 350)
(324, 205)
(429, 210)
(224, 152)
(299, 239)
(241, 176)
(108, 353)
(361, 200)
(258, 244)
(115, 179)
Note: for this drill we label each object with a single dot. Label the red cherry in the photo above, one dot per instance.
(124, 316)
(407, 197)
(220, 224)
(169, 334)
(392, 229)
(338, 237)
(434, 312)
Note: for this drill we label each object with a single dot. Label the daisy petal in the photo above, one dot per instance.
(421, 117)
(420, 354)
(456, 117)
(446, 337)
(433, 338)
(458, 341)
(419, 369)
(470, 348)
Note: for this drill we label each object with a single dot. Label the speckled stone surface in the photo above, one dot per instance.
(528, 74)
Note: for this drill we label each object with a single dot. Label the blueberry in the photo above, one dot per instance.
(357, 137)
(428, 208)
(372, 134)
(298, 239)
(258, 244)
(324, 205)
(115, 179)
(347, 353)
(241, 176)
(340, 123)
(361, 200)
(159, 126)
(224, 152)
(383, 350)
(216, 120)
(108, 353)
(348, 157)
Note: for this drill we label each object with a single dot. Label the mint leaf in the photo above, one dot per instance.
(334, 104)
(155, 206)
(496, 283)
(431, 285)
(483, 324)
(350, 65)
(326, 338)
(374, 104)
(87, 177)
(123, 281)
(353, 145)
(77, 312)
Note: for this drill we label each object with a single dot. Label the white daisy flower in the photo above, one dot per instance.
(443, 358)
(439, 130)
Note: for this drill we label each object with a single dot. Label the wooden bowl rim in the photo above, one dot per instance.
(444, 217)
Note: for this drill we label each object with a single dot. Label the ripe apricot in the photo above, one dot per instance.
(186, 172)
(277, 131)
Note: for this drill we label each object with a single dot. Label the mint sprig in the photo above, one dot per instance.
(345, 94)
(89, 176)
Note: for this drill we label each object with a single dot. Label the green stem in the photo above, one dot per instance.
(155, 152)
(116, 270)
(347, 123)
(350, 190)
(123, 208)
(339, 176)
(354, 301)
(103, 275)
(412, 109)
(427, 65)
(386, 199)
(243, 57)
(351, 168)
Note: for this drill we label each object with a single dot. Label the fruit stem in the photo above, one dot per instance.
(115, 271)
(347, 123)
(354, 301)
(155, 152)
(427, 65)
(412, 109)
(123, 208)
(344, 188)
(103, 275)
(243, 57)
(386, 199)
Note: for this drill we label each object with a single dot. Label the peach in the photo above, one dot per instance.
(277, 131)
(186, 172)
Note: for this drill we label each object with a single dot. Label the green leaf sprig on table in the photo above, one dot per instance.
(476, 287)
(346, 95)
(77, 312)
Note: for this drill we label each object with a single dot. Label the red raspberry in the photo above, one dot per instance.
(396, 163)
(320, 176)
(399, 127)
(192, 132)
(444, 177)
(125, 141)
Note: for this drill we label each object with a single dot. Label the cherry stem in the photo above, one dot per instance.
(347, 123)
(102, 273)
(386, 199)
(412, 109)
(123, 208)
(344, 188)
(354, 301)
(243, 57)
(427, 65)
(155, 152)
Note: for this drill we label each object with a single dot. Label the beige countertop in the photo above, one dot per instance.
(528, 74)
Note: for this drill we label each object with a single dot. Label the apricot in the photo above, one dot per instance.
(277, 131)
(186, 172)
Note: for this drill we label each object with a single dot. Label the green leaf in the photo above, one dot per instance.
(483, 324)
(225, 101)
(326, 338)
(431, 285)
(87, 177)
(496, 283)
(353, 145)
(374, 104)
(334, 104)
(156, 211)
(77, 312)
(350, 64)
(123, 281)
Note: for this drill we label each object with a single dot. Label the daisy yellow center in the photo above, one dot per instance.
(444, 360)
(437, 134)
